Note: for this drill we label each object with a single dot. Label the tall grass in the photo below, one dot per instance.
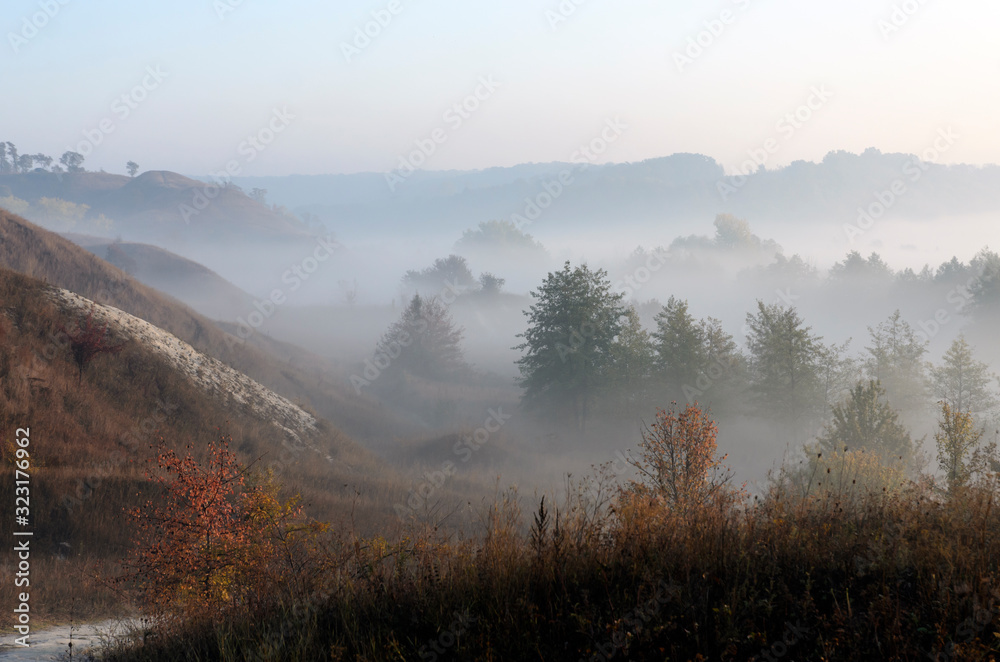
(880, 577)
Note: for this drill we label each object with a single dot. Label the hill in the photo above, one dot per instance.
(199, 287)
(296, 374)
(91, 435)
(160, 206)
(667, 190)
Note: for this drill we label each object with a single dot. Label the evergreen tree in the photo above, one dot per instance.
(963, 382)
(785, 363)
(724, 372)
(632, 361)
(680, 348)
(865, 421)
(423, 342)
(895, 359)
(567, 347)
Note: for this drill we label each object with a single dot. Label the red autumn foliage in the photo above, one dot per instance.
(88, 341)
(217, 538)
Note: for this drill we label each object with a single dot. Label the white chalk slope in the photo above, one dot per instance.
(211, 375)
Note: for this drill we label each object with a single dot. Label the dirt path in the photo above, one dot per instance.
(53, 643)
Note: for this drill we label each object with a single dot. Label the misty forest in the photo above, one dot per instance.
(414, 373)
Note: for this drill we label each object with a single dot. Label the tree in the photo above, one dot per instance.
(567, 347)
(451, 272)
(214, 538)
(25, 162)
(632, 360)
(490, 284)
(349, 288)
(499, 236)
(678, 461)
(963, 382)
(43, 161)
(785, 363)
(89, 341)
(866, 421)
(5, 166)
(259, 195)
(896, 360)
(680, 347)
(73, 161)
(14, 158)
(856, 268)
(132, 168)
(957, 441)
(725, 368)
(424, 342)
(985, 289)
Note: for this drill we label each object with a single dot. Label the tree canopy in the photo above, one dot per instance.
(568, 345)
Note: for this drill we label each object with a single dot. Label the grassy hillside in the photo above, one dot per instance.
(150, 205)
(90, 444)
(300, 376)
(199, 287)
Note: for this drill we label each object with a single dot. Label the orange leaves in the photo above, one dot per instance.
(212, 538)
(678, 457)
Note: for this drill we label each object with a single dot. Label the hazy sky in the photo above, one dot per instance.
(227, 65)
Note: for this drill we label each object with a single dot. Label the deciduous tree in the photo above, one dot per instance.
(678, 459)
(88, 341)
(959, 454)
(567, 347)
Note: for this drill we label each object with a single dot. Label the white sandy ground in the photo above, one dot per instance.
(53, 643)
(209, 374)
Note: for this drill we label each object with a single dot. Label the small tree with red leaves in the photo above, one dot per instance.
(215, 538)
(678, 461)
(88, 341)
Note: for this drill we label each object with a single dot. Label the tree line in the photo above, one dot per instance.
(12, 162)
(585, 348)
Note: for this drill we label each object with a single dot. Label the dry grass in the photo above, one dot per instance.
(887, 578)
(90, 442)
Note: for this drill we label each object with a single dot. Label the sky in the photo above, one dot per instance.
(297, 87)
